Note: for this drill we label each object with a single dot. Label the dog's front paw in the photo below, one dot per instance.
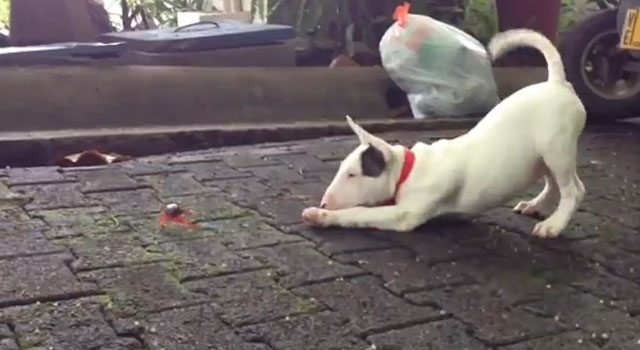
(547, 229)
(316, 216)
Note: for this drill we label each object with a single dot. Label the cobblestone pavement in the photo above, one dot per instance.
(85, 266)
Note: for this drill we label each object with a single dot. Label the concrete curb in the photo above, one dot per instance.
(78, 97)
(44, 148)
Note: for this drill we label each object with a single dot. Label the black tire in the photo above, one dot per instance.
(574, 43)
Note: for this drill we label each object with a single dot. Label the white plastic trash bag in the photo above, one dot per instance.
(444, 71)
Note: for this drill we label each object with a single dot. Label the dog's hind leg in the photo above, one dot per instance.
(561, 162)
(544, 203)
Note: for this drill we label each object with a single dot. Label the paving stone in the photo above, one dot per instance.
(489, 311)
(623, 339)
(5, 331)
(77, 221)
(324, 174)
(65, 325)
(128, 202)
(461, 230)
(439, 335)
(624, 239)
(280, 209)
(273, 149)
(529, 253)
(141, 289)
(368, 307)
(146, 167)
(302, 163)
(251, 297)
(308, 191)
(402, 273)
(16, 227)
(191, 328)
(45, 277)
(620, 262)
(38, 175)
(280, 174)
(9, 198)
(177, 184)
(14, 220)
(432, 249)
(248, 232)
(523, 252)
(506, 219)
(53, 196)
(611, 186)
(8, 344)
(147, 230)
(115, 249)
(25, 243)
(214, 171)
(246, 191)
(614, 290)
(205, 257)
(565, 341)
(335, 241)
(300, 263)
(209, 207)
(248, 160)
(111, 179)
(194, 157)
(13, 214)
(589, 225)
(334, 149)
(322, 331)
(590, 313)
(627, 216)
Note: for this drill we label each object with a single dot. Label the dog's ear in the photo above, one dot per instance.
(372, 161)
(364, 136)
(368, 139)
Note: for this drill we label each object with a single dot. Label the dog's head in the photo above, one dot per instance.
(364, 176)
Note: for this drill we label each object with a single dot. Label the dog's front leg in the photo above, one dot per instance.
(395, 218)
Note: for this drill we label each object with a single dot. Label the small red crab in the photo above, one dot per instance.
(174, 213)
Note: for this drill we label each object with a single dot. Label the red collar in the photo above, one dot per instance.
(407, 166)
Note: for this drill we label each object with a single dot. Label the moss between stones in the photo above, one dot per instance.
(305, 306)
(105, 300)
(172, 276)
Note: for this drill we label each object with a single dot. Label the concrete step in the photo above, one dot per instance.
(93, 96)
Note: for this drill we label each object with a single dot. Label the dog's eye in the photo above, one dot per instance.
(350, 175)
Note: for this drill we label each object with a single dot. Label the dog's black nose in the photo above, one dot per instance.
(323, 205)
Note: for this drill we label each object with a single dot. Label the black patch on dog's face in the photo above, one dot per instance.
(372, 161)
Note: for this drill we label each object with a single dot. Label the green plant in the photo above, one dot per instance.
(4, 14)
(347, 22)
(149, 13)
(573, 11)
(480, 19)
(343, 22)
(364, 21)
(605, 4)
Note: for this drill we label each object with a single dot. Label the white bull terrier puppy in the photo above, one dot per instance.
(533, 133)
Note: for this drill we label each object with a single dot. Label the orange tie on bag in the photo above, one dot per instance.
(402, 14)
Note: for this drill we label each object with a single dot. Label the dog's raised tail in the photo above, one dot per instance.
(510, 39)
